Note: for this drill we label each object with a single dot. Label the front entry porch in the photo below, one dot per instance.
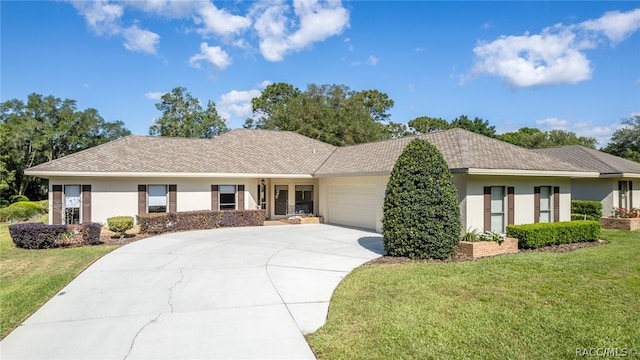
(284, 198)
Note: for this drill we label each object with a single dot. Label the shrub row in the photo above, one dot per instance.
(22, 210)
(533, 236)
(198, 220)
(586, 210)
(41, 236)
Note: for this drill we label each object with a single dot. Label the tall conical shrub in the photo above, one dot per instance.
(421, 212)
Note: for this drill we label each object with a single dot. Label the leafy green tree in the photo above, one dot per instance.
(477, 125)
(425, 124)
(398, 130)
(331, 113)
(421, 211)
(532, 138)
(44, 129)
(625, 142)
(183, 116)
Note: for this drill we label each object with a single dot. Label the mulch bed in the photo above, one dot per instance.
(110, 238)
(459, 257)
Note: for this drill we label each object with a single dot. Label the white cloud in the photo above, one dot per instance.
(154, 95)
(105, 19)
(552, 124)
(554, 56)
(140, 40)
(316, 21)
(101, 16)
(279, 27)
(615, 25)
(349, 44)
(542, 59)
(373, 61)
(236, 104)
(212, 54)
(216, 21)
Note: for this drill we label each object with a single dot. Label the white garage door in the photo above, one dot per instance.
(353, 205)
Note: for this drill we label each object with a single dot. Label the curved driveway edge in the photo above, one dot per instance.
(237, 293)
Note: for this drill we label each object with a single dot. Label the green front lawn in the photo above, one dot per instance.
(524, 306)
(28, 278)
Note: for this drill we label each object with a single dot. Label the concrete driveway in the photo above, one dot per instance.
(241, 293)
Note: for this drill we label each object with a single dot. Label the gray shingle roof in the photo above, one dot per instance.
(591, 160)
(462, 149)
(246, 151)
(238, 151)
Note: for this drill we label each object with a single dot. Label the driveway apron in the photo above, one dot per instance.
(236, 293)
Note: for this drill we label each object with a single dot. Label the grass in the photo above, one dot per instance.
(28, 278)
(525, 306)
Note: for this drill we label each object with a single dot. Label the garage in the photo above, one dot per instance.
(353, 205)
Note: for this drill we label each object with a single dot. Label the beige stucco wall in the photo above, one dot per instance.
(523, 200)
(119, 196)
(605, 191)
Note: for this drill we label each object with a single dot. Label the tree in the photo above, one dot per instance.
(625, 142)
(421, 213)
(425, 125)
(477, 125)
(331, 113)
(183, 116)
(44, 129)
(398, 130)
(532, 138)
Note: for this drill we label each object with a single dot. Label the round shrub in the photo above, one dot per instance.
(421, 213)
(17, 198)
(120, 224)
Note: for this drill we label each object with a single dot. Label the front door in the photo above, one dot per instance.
(281, 199)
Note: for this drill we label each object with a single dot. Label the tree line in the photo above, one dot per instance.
(46, 127)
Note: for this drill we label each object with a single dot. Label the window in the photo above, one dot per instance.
(227, 197)
(262, 196)
(304, 199)
(497, 209)
(157, 202)
(624, 194)
(545, 204)
(72, 204)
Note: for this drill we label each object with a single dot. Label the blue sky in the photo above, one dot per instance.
(552, 65)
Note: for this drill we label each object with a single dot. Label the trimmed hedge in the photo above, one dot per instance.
(198, 220)
(37, 235)
(120, 224)
(21, 211)
(533, 236)
(580, 209)
(42, 236)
